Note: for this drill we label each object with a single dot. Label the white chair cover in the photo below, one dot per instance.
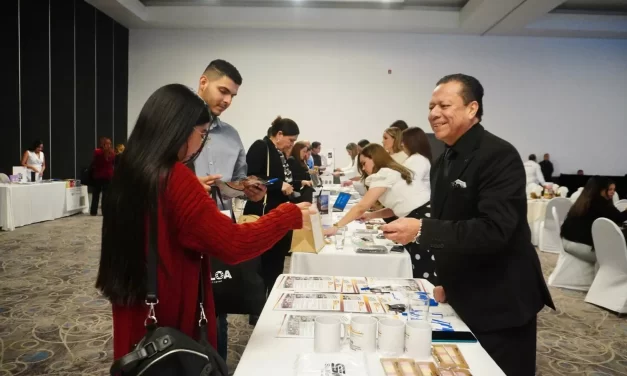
(615, 198)
(570, 272)
(4, 178)
(549, 240)
(609, 289)
(621, 205)
(576, 195)
(563, 191)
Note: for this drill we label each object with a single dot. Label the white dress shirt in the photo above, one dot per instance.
(399, 196)
(534, 173)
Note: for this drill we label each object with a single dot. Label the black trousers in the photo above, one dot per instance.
(513, 349)
(98, 186)
(273, 261)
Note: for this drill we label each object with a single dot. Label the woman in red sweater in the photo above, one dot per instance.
(101, 172)
(170, 131)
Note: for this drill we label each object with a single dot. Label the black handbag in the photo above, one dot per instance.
(237, 289)
(165, 351)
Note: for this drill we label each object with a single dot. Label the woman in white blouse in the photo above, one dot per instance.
(393, 144)
(33, 158)
(350, 171)
(392, 184)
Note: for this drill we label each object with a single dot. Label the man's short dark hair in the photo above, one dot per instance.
(315, 144)
(472, 90)
(362, 143)
(221, 68)
(532, 157)
(400, 124)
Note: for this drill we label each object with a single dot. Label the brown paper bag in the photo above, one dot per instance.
(310, 240)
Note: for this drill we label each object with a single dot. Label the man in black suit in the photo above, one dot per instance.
(547, 168)
(478, 232)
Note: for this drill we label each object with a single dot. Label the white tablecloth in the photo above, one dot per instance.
(536, 210)
(23, 204)
(331, 261)
(266, 354)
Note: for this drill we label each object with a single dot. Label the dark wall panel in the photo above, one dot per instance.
(85, 50)
(104, 76)
(35, 76)
(120, 84)
(10, 150)
(62, 88)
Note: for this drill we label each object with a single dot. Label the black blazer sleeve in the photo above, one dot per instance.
(490, 230)
(296, 173)
(612, 213)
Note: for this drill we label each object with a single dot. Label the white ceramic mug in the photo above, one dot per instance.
(391, 337)
(418, 339)
(363, 333)
(328, 334)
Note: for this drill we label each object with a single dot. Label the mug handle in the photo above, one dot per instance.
(346, 324)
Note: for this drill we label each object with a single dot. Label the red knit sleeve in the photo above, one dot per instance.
(200, 226)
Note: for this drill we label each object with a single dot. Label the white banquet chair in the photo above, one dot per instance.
(609, 289)
(576, 195)
(570, 272)
(4, 178)
(563, 191)
(615, 198)
(547, 242)
(621, 205)
(532, 187)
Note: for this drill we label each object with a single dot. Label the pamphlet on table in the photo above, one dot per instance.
(349, 285)
(330, 302)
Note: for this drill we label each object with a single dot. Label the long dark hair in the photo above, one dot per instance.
(163, 127)
(300, 145)
(416, 142)
(591, 193)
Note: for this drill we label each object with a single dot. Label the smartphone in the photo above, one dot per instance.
(260, 181)
(443, 336)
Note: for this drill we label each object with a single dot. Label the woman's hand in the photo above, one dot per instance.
(330, 231)
(287, 189)
(306, 183)
(439, 295)
(337, 173)
(366, 216)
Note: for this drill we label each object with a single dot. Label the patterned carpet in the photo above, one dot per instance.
(53, 322)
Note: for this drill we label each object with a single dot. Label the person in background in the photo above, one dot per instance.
(320, 160)
(580, 172)
(223, 156)
(489, 271)
(152, 179)
(533, 171)
(393, 144)
(300, 171)
(33, 158)
(309, 161)
(594, 202)
(547, 168)
(263, 156)
(350, 171)
(611, 192)
(362, 143)
(400, 124)
(102, 166)
(119, 150)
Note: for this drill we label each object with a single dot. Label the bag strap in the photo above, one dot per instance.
(152, 261)
(265, 198)
(217, 195)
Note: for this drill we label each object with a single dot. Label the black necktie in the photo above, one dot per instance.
(448, 156)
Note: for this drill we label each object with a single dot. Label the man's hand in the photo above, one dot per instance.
(439, 295)
(403, 230)
(255, 192)
(208, 180)
(306, 210)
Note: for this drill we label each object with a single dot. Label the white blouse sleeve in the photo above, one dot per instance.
(385, 178)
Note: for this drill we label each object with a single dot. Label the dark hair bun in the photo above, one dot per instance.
(277, 120)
